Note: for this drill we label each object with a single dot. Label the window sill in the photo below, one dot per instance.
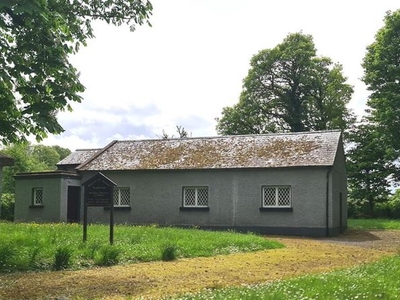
(290, 209)
(118, 208)
(36, 206)
(184, 208)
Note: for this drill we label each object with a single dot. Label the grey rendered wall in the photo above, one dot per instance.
(339, 192)
(25, 212)
(234, 199)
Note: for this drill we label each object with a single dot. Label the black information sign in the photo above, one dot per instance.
(99, 191)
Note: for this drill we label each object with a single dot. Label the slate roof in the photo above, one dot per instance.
(226, 152)
(78, 157)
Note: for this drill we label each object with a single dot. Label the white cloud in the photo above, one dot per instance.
(191, 63)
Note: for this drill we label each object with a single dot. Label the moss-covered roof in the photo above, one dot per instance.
(225, 152)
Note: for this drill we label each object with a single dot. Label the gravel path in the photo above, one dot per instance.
(157, 279)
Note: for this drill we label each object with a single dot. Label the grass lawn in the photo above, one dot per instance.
(378, 280)
(31, 246)
(373, 224)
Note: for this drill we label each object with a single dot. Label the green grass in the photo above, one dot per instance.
(378, 280)
(31, 246)
(373, 224)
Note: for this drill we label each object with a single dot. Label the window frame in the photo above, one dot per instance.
(34, 202)
(276, 207)
(196, 206)
(118, 190)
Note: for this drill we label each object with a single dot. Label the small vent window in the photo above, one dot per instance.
(37, 196)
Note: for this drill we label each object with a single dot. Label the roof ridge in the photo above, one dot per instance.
(97, 154)
(233, 136)
(88, 149)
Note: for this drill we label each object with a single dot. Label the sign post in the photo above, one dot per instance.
(99, 191)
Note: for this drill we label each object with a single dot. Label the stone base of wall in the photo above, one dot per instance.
(285, 231)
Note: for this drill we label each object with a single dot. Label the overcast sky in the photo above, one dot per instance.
(190, 64)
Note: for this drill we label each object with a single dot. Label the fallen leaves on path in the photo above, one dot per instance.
(159, 279)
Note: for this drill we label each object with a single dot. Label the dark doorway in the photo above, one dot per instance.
(73, 198)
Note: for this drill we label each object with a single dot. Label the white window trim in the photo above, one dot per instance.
(35, 192)
(118, 202)
(276, 187)
(196, 188)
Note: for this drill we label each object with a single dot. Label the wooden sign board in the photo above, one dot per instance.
(99, 191)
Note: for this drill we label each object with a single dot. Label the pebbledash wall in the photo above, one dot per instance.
(234, 200)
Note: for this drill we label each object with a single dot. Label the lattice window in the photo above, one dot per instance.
(122, 196)
(277, 196)
(37, 195)
(195, 196)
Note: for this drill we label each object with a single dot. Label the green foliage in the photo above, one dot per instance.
(7, 203)
(46, 155)
(36, 246)
(374, 224)
(289, 88)
(24, 161)
(168, 252)
(390, 209)
(7, 255)
(30, 158)
(108, 256)
(372, 281)
(62, 152)
(382, 77)
(62, 258)
(370, 164)
(37, 38)
(375, 144)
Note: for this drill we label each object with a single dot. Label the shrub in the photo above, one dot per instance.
(382, 210)
(394, 205)
(62, 258)
(7, 202)
(358, 209)
(6, 256)
(168, 253)
(108, 256)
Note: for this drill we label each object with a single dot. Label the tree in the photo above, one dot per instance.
(179, 129)
(370, 165)
(382, 77)
(289, 88)
(62, 152)
(28, 158)
(36, 38)
(46, 155)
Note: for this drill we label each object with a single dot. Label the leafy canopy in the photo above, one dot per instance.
(382, 77)
(30, 158)
(289, 88)
(370, 165)
(36, 38)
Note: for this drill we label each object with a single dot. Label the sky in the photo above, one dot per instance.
(191, 63)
